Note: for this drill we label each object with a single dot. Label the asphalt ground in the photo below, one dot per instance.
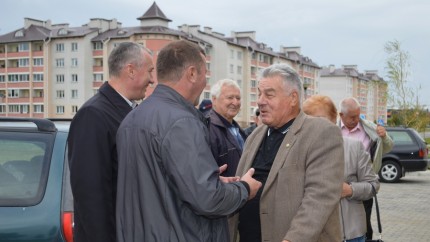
(404, 209)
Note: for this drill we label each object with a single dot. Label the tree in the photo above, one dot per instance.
(402, 95)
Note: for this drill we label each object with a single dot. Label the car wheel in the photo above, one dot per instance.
(390, 172)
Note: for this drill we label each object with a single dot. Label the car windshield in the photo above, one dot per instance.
(24, 164)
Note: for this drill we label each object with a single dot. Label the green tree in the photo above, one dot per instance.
(401, 94)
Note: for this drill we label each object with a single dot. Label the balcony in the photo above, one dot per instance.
(97, 84)
(38, 99)
(97, 53)
(97, 68)
(38, 68)
(37, 53)
(18, 54)
(18, 85)
(12, 100)
(18, 69)
(38, 84)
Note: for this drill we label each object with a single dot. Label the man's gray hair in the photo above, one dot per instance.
(348, 104)
(288, 75)
(123, 54)
(216, 88)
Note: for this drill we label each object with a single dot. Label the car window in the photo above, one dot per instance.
(24, 164)
(401, 138)
(418, 135)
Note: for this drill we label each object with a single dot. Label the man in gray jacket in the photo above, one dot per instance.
(374, 138)
(169, 188)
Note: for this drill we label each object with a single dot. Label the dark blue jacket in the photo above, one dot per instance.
(224, 145)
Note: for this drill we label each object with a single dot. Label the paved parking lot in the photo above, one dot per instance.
(405, 209)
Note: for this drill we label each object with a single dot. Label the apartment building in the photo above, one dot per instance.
(50, 70)
(368, 88)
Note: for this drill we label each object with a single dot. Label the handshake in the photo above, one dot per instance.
(253, 184)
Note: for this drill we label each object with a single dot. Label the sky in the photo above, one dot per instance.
(338, 32)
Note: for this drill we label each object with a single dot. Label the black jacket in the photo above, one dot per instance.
(93, 164)
(224, 145)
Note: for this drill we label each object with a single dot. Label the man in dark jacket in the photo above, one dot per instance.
(169, 188)
(226, 136)
(92, 145)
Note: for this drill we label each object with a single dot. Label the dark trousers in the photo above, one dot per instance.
(368, 204)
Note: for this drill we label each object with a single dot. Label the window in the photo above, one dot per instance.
(38, 108)
(253, 97)
(2, 108)
(38, 77)
(98, 77)
(98, 46)
(13, 108)
(13, 93)
(206, 95)
(74, 93)
(23, 47)
(62, 32)
(231, 68)
(59, 62)
(23, 62)
(239, 82)
(239, 55)
(60, 109)
(74, 108)
(18, 77)
(74, 77)
(208, 66)
(239, 70)
(60, 78)
(60, 93)
(24, 167)
(253, 83)
(74, 62)
(19, 33)
(59, 47)
(24, 108)
(2, 78)
(74, 47)
(401, 138)
(38, 62)
(231, 54)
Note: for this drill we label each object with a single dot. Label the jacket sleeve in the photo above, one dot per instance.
(362, 189)
(322, 189)
(193, 171)
(91, 173)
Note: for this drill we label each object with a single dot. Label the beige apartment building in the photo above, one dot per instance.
(50, 70)
(368, 88)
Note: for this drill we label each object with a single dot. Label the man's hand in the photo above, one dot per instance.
(380, 130)
(227, 179)
(254, 185)
(346, 190)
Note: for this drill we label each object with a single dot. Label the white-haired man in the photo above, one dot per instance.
(226, 136)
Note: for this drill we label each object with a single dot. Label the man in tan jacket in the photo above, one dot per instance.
(299, 160)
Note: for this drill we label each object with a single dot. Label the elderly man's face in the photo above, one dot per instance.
(277, 105)
(228, 103)
(351, 118)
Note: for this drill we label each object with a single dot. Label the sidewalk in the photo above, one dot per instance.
(405, 209)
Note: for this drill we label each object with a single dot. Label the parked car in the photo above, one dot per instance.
(409, 154)
(36, 202)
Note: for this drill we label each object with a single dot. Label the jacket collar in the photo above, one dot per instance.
(166, 92)
(114, 98)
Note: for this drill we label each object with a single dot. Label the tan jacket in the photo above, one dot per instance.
(300, 201)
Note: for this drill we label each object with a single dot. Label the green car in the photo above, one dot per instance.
(36, 202)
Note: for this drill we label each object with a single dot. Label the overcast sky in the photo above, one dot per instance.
(328, 31)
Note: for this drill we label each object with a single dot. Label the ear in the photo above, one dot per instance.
(295, 98)
(130, 71)
(191, 73)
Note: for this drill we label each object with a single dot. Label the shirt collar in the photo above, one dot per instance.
(284, 129)
(356, 128)
(132, 104)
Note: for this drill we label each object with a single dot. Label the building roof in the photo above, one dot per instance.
(154, 12)
(126, 32)
(298, 58)
(32, 33)
(351, 72)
